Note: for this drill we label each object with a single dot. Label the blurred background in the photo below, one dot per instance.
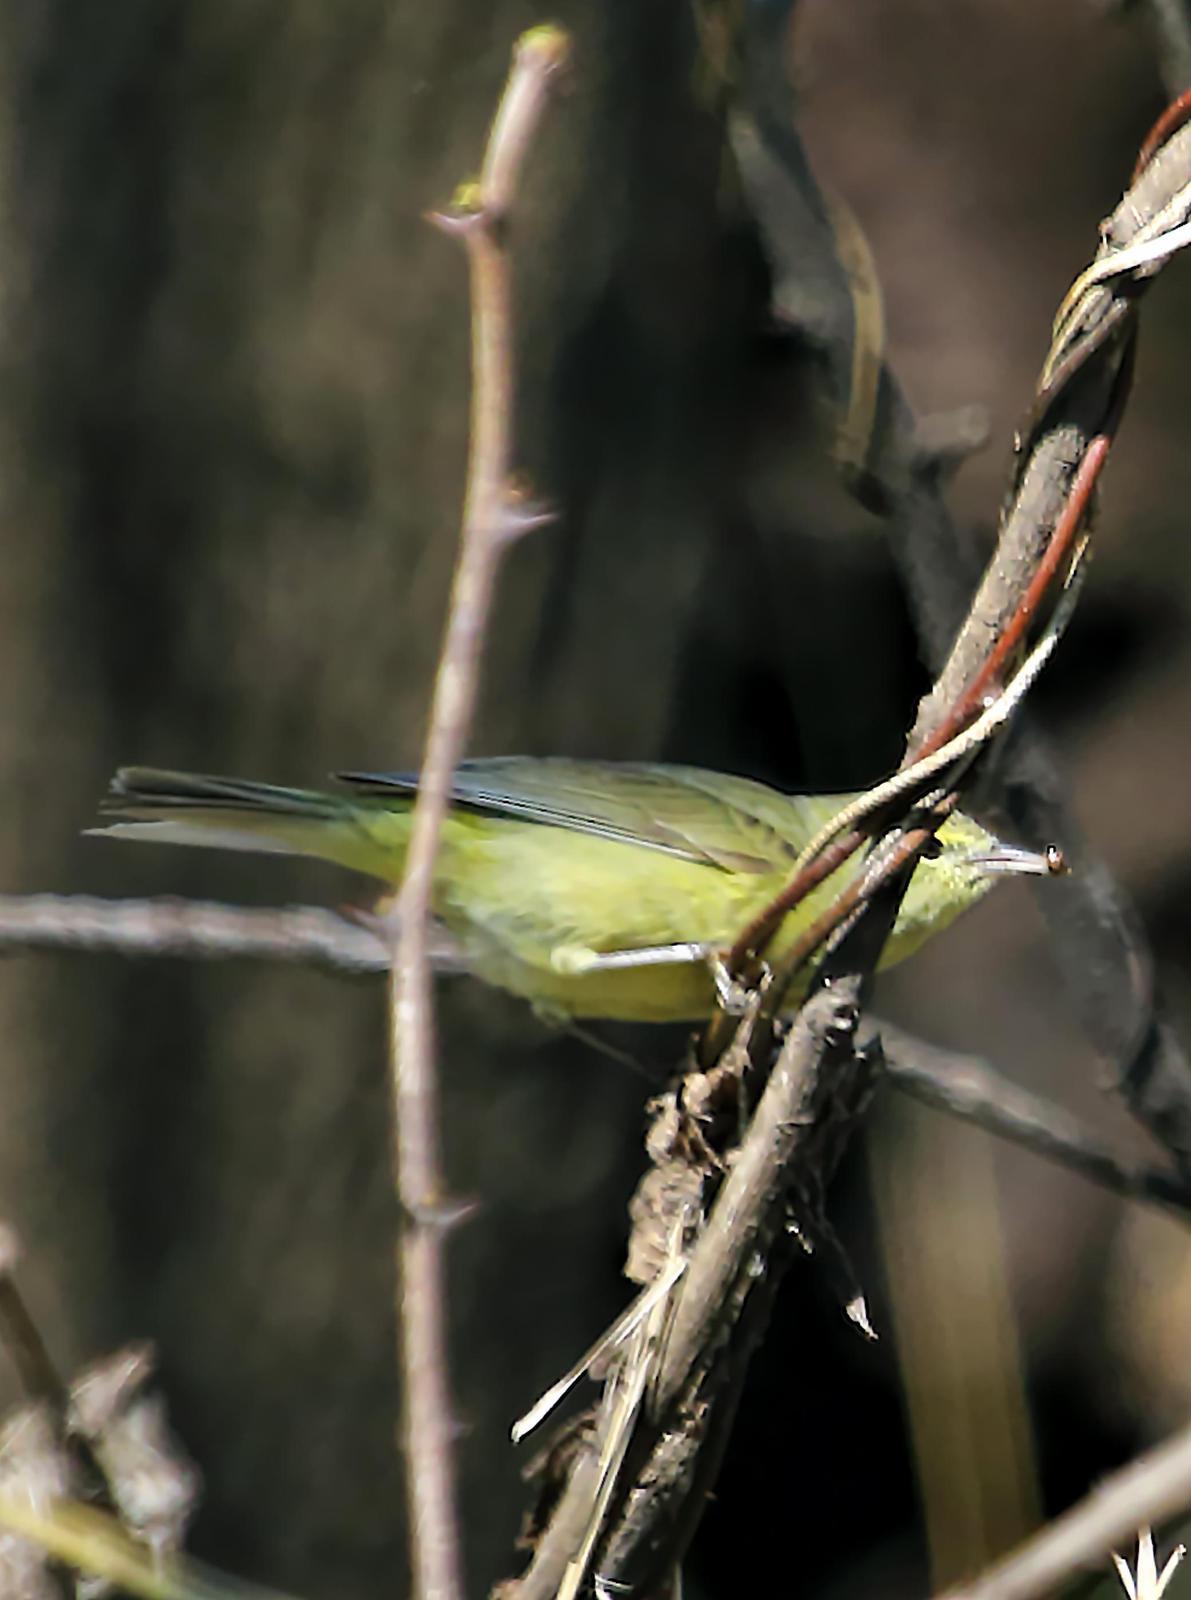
(232, 435)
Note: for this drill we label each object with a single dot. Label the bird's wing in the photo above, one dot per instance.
(706, 817)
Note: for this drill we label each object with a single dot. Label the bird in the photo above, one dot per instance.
(592, 889)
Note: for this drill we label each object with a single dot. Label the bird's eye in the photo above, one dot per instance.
(931, 850)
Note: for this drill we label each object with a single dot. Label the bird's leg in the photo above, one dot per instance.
(575, 960)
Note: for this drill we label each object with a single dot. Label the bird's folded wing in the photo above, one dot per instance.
(699, 816)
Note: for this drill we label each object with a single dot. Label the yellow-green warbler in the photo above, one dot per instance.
(594, 889)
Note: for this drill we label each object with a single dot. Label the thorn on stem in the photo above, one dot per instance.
(856, 1311)
(521, 512)
(456, 224)
(444, 1216)
(106, 1390)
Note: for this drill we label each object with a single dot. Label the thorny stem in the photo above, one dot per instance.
(489, 521)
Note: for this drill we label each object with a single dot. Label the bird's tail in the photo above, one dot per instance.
(234, 814)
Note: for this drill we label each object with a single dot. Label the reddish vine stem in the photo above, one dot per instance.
(965, 707)
(1177, 113)
(1059, 549)
(1062, 542)
(1058, 552)
(762, 928)
(863, 888)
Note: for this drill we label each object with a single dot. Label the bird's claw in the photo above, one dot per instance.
(735, 995)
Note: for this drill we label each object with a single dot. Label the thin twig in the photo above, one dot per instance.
(491, 517)
(303, 935)
(966, 1087)
(1148, 1491)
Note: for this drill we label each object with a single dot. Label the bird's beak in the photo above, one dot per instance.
(1013, 859)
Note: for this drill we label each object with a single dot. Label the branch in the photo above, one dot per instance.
(955, 743)
(632, 1505)
(1150, 1490)
(718, 1313)
(355, 946)
(491, 518)
(752, 1199)
(1080, 395)
(847, 831)
(1100, 949)
(967, 1088)
(304, 935)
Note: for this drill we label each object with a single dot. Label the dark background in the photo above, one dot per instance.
(232, 434)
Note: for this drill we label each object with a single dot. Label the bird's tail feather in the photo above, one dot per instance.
(166, 807)
(152, 790)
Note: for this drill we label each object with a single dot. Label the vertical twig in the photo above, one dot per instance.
(491, 517)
